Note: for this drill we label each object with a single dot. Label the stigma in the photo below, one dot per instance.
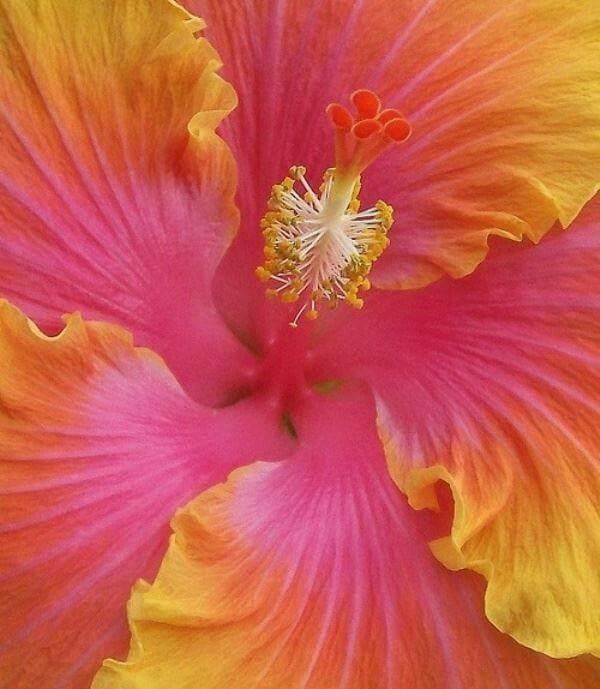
(319, 245)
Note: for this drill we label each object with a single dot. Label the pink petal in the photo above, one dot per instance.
(314, 573)
(108, 203)
(99, 446)
(491, 384)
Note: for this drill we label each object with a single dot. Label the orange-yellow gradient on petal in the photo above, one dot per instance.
(503, 98)
(116, 195)
(315, 573)
(98, 446)
(491, 383)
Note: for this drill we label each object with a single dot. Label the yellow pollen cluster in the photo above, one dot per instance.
(317, 247)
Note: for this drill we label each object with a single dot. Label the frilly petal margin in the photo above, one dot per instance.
(116, 195)
(98, 446)
(314, 574)
(503, 97)
(491, 384)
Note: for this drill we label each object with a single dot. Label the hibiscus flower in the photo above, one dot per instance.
(399, 495)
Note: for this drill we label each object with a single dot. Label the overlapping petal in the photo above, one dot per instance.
(115, 192)
(490, 383)
(109, 203)
(98, 446)
(503, 98)
(315, 573)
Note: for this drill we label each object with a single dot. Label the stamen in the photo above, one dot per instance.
(319, 246)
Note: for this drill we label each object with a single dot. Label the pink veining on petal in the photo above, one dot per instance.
(108, 204)
(462, 78)
(94, 463)
(315, 572)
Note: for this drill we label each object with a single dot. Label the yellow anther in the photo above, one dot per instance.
(320, 248)
(262, 274)
(289, 297)
(297, 171)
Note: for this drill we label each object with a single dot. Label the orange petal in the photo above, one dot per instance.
(313, 573)
(503, 99)
(491, 384)
(99, 446)
(116, 196)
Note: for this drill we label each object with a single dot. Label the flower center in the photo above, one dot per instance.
(320, 247)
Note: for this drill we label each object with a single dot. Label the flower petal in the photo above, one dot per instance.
(314, 573)
(115, 192)
(99, 446)
(491, 384)
(503, 99)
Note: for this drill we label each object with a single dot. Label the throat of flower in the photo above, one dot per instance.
(319, 246)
